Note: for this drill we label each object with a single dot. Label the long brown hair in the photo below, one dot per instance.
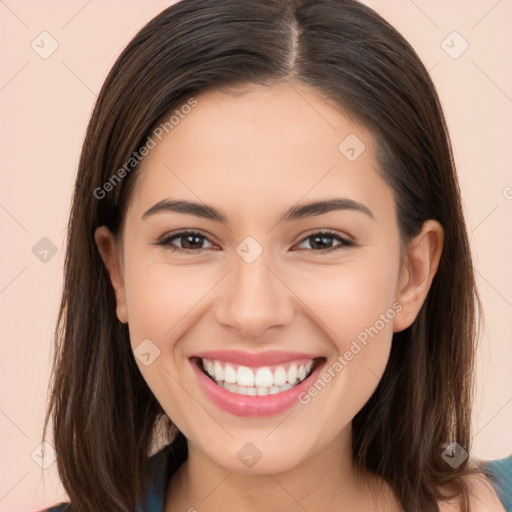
(104, 415)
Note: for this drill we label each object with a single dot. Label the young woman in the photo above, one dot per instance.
(268, 265)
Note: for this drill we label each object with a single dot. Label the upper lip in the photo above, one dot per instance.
(240, 357)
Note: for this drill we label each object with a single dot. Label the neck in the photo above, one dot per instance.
(325, 481)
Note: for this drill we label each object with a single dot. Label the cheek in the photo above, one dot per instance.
(163, 304)
(356, 308)
(160, 299)
(356, 304)
(351, 298)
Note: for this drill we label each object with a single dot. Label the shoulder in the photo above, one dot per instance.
(483, 497)
(158, 468)
(500, 474)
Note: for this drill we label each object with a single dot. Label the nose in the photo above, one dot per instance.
(254, 298)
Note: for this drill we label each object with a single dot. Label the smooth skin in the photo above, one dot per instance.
(252, 156)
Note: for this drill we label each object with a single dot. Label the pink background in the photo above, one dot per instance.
(46, 105)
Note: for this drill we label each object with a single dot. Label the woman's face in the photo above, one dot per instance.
(261, 288)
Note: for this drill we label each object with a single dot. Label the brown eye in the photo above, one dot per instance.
(191, 241)
(322, 241)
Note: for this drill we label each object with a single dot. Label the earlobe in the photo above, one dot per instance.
(420, 266)
(112, 259)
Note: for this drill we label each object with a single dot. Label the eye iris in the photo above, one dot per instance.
(196, 239)
(322, 239)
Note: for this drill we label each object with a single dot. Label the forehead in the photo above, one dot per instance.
(250, 126)
(260, 146)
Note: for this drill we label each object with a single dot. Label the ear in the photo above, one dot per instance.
(418, 270)
(111, 255)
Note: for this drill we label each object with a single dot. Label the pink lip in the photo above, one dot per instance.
(256, 406)
(254, 360)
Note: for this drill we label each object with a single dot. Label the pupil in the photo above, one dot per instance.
(196, 238)
(322, 238)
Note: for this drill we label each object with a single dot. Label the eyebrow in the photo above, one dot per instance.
(301, 211)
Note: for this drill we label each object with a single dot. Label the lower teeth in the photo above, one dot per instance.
(253, 391)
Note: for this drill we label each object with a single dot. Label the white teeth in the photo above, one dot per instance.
(291, 374)
(231, 387)
(229, 374)
(244, 376)
(262, 391)
(301, 372)
(279, 376)
(254, 391)
(264, 377)
(219, 372)
(245, 381)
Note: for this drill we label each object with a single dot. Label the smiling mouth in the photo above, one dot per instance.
(257, 381)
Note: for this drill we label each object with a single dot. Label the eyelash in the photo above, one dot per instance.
(344, 242)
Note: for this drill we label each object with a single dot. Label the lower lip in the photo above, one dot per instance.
(245, 405)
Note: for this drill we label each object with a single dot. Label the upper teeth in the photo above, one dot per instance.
(272, 379)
